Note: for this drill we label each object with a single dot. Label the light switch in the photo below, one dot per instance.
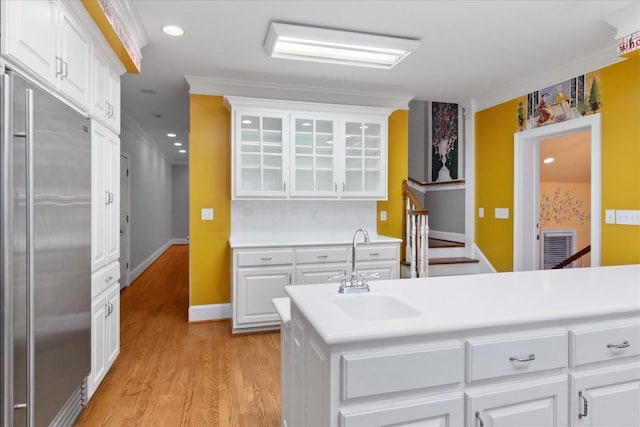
(609, 216)
(480, 212)
(383, 215)
(502, 213)
(206, 214)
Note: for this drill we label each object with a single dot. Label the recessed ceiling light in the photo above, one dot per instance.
(173, 30)
(336, 46)
(182, 151)
(171, 135)
(549, 160)
(178, 144)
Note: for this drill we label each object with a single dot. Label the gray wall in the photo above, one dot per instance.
(446, 210)
(151, 188)
(418, 132)
(180, 203)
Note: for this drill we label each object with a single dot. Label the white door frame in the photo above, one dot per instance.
(126, 280)
(526, 179)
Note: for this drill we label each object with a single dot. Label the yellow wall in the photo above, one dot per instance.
(620, 96)
(494, 182)
(210, 181)
(398, 164)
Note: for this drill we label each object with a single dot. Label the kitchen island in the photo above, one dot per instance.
(542, 348)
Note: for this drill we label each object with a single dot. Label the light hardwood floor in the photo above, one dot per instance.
(174, 373)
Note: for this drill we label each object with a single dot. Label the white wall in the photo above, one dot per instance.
(151, 198)
(180, 201)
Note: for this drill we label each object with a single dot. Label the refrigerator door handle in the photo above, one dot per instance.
(30, 273)
(6, 157)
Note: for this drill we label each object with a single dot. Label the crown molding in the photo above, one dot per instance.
(132, 23)
(626, 21)
(527, 84)
(229, 87)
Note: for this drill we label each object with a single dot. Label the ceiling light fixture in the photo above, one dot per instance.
(246, 122)
(182, 151)
(549, 160)
(171, 135)
(173, 30)
(178, 144)
(336, 46)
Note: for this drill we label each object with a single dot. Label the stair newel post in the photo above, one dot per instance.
(413, 246)
(405, 222)
(422, 261)
(425, 246)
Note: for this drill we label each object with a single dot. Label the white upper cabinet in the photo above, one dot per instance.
(296, 150)
(48, 40)
(260, 154)
(365, 166)
(313, 157)
(105, 105)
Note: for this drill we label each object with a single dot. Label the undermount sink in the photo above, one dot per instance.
(375, 307)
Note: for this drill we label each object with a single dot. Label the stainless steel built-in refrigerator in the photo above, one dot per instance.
(45, 233)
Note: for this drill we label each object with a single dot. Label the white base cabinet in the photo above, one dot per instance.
(105, 334)
(260, 274)
(584, 374)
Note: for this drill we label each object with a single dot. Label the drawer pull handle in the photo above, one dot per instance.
(265, 259)
(624, 344)
(585, 406)
(374, 253)
(323, 256)
(531, 358)
(479, 419)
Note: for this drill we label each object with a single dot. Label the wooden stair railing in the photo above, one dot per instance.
(582, 252)
(415, 233)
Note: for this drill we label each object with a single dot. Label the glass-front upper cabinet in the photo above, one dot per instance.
(365, 164)
(260, 155)
(313, 157)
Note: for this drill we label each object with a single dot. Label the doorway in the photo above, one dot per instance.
(125, 204)
(526, 251)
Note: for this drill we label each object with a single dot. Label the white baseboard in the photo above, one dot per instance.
(179, 241)
(199, 313)
(140, 268)
(447, 235)
(485, 266)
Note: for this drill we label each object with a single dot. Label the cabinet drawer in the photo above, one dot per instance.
(317, 255)
(264, 257)
(604, 343)
(373, 374)
(498, 357)
(372, 252)
(103, 278)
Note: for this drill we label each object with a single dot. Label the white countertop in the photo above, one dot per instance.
(314, 238)
(458, 303)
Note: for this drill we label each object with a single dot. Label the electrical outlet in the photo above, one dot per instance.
(383, 215)
(501, 213)
(480, 212)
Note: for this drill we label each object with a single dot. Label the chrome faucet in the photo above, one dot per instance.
(356, 284)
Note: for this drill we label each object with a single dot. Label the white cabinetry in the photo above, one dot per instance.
(46, 38)
(105, 196)
(105, 105)
(105, 327)
(606, 397)
(261, 273)
(296, 150)
(536, 376)
(525, 404)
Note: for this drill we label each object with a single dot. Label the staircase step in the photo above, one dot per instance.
(452, 260)
(440, 243)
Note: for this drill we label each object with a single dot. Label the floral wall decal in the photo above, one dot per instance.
(559, 207)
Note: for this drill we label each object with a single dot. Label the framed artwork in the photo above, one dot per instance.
(445, 148)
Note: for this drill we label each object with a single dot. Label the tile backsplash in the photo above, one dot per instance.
(275, 217)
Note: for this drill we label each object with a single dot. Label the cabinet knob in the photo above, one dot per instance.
(266, 259)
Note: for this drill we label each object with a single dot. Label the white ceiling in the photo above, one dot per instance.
(488, 51)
